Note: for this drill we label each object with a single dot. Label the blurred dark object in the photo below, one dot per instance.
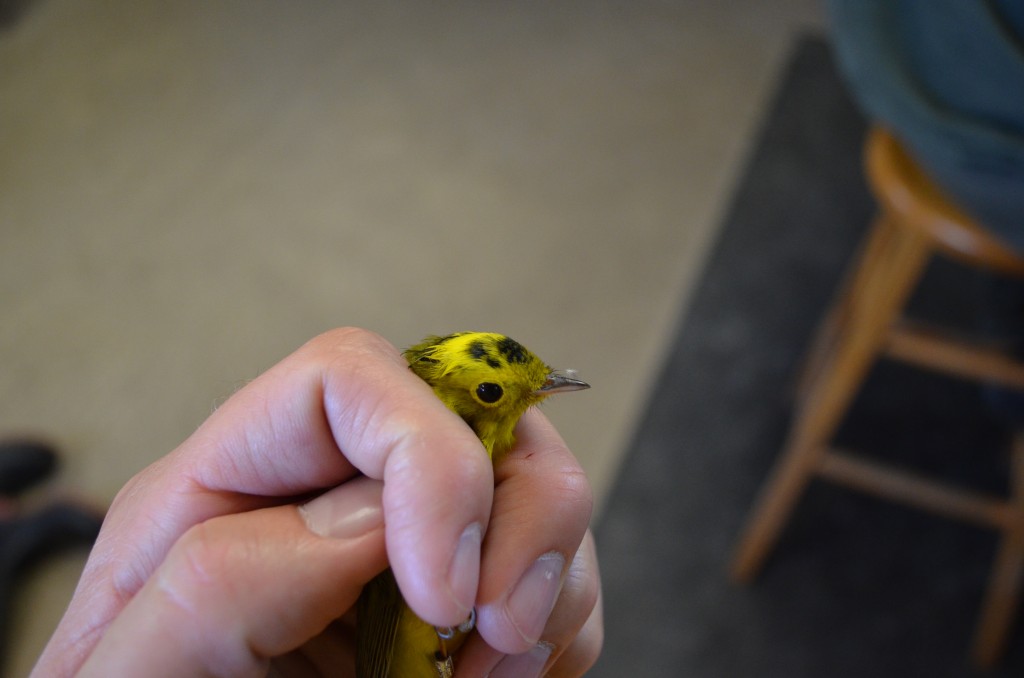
(24, 463)
(28, 537)
(11, 11)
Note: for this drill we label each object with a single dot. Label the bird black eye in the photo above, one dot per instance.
(489, 393)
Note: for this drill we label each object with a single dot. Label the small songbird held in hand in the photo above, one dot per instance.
(489, 380)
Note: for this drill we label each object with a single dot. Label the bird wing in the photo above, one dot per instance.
(378, 613)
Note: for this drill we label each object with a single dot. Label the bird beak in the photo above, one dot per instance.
(561, 381)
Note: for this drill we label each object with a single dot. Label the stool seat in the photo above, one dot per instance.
(904, 189)
(915, 222)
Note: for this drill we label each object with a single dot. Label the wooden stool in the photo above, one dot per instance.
(915, 222)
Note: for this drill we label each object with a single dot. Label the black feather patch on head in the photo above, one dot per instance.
(512, 350)
(477, 350)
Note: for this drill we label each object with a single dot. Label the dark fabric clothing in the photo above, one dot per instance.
(947, 77)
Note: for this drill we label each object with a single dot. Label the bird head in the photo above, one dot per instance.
(488, 379)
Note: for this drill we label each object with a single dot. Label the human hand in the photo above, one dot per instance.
(246, 548)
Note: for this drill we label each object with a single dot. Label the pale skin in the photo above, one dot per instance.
(243, 551)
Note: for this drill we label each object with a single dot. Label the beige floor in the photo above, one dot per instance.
(189, 190)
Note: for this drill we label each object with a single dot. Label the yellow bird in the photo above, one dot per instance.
(489, 380)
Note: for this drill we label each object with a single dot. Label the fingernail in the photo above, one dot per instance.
(533, 598)
(346, 512)
(526, 665)
(464, 571)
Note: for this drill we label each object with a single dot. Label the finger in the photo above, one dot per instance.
(542, 506)
(571, 639)
(399, 431)
(239, 589)
(327, 654)
(575, 631)
(585, 648)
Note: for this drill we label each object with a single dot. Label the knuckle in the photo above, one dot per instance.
(349, 339)
(582, 587)
(472, 469)
(572, 487)
(421, 482)
(198, 567)
(576, 486)
(204, 579)
(587, 589)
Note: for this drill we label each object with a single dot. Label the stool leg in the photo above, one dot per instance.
(837, 318)
(1004, 589)
(879, 289)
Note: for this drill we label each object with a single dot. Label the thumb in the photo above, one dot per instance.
(239, 589)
